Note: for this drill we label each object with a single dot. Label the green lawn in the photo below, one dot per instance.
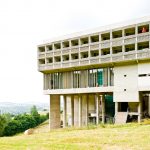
(105, 137)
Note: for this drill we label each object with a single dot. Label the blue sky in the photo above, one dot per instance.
(26, 23)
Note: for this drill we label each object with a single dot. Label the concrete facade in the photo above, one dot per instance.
(98, 73)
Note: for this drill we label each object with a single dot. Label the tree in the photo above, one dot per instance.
(3, 123)
(35, 114)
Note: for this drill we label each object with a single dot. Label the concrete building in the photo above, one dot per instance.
(99, 74)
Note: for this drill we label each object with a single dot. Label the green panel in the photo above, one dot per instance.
(109, 106)
(100, 78)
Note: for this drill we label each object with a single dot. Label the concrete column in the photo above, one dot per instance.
(84, 110)
(80, 111)
(103, 108)
(54, 112)
(97, 109)
(64, 112)
(76, 111)
(139, 112)
(72, 110)
(149, 104)
(116, 108)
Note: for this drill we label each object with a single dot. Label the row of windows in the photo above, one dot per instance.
(79, 79)
(95, 53)
(95, 38)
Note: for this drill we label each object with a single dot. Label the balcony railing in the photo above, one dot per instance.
(84, 61)
(84, 48)
(94, 60)
(105, 44)
(49, 54)
(57, 52)
(75, 49)
(41, 55)
(65, 50)
(66, 64)
(143, 37)
(74, 63)
(94, 46)
(130, 55)
(130, 40)
(105, 58)
(117, 42)
(117, 57)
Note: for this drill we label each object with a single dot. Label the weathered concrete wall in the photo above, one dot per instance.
(54, 119)
(126, 83)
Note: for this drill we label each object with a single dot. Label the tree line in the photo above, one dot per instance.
(11, 125)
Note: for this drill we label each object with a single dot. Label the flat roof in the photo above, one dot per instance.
(98, 29)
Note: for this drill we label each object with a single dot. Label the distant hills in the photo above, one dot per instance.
(19, 108)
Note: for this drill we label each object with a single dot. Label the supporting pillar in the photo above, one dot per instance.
(80, 111)
(116, 108)
(84, 110)
(54, 112)
(72, 110)
(64, 111)
(97, 109)
(139, 112)
(103, 108)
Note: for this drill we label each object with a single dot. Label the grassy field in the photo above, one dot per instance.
(104, 137)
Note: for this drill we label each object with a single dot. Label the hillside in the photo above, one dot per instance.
(19, 108)
(118, 137)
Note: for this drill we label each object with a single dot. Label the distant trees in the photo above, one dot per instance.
(20, 123)
(3, 123)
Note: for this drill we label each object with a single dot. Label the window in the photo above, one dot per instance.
(41, 49)
(143, 45)
(105, 51)
(74, 42)
(117, 34)
(94, 38)
(65, 44)
(130, 47)
(129, 31)
(143, 28)
(84, 40)
(117, 49)
(105, 36)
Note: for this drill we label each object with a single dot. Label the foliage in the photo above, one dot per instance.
(3, 123)
(23, 122)
(35, 114)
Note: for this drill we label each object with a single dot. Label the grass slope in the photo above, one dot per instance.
(104, 137)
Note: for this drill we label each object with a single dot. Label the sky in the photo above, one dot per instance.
(26, 23)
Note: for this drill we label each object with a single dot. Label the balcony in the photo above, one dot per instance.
(143, 37)
(66, 64)
(65, 50)
(94, 60)
(84, 48)
(74, 63)
(57, 65)
(117, 42)
(94, 46)
(105, 44)
(143, 53)
(130, 55)
(57, 53)
(84, 61)
(117, 57)
(130, 40)
(75, 49)
(105, 58)
(49, 54)
(41, 55)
